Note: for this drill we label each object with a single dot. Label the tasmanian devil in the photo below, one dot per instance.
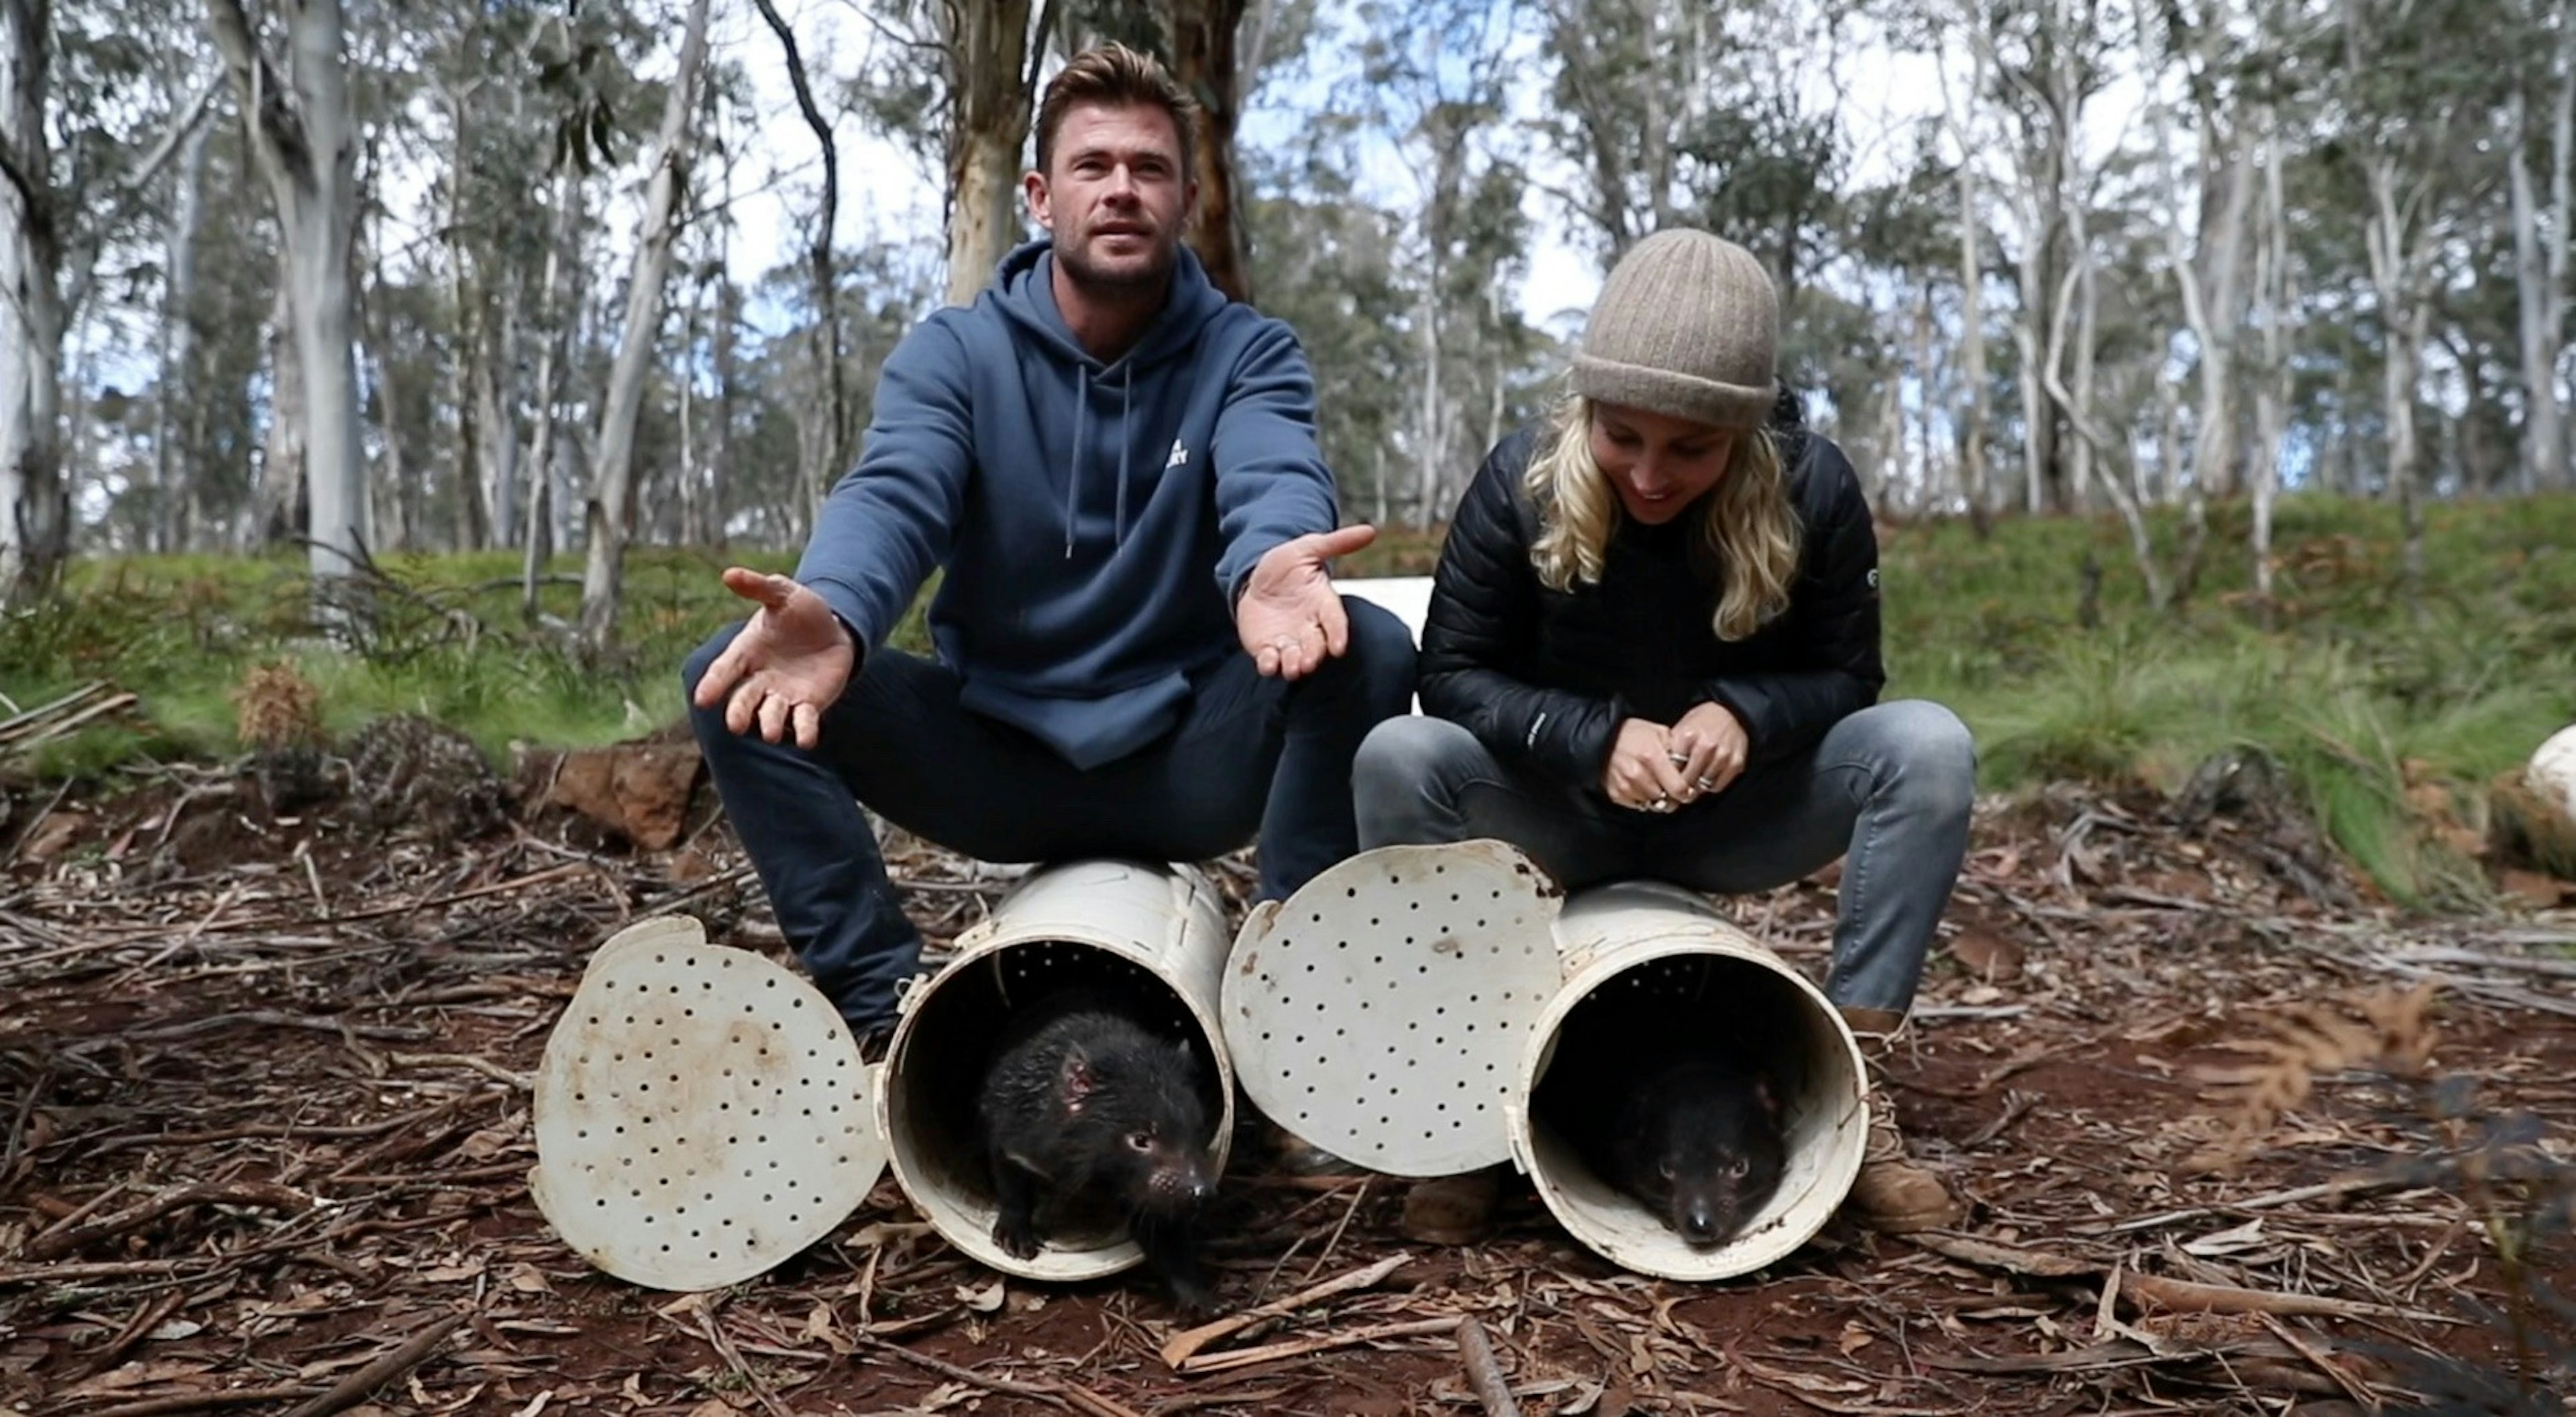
(1697, 1140)
(1681, 1124)
(1089, 1118)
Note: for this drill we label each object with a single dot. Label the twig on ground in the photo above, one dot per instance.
(1484, 1375)
(986, 1381)
(1180, 1346)
(396, 1361)
(1299, 1347)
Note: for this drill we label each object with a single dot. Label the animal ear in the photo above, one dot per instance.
(1079, 1079)
(1767, 1093)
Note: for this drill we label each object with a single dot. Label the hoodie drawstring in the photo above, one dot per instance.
(1073, 471)
(1126, 438)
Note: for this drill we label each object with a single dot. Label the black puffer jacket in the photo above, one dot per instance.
(1544, 678)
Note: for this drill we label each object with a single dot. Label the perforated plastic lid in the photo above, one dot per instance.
(701, 1113)
(1379, 1011)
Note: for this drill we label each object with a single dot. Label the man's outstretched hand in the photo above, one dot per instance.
(1290, 617)
(791, 661)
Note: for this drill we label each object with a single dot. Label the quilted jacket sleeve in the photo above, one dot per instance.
(1833, 614)
(1482, 620)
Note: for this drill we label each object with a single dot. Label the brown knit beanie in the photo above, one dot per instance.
(1688, 324)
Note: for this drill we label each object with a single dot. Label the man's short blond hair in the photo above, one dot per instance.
(1115, 76)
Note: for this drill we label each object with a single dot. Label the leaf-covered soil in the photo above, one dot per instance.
(2239, 1139)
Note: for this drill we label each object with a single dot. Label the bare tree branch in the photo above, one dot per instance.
(274, 129)
(827, 304)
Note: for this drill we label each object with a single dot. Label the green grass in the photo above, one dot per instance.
(2351, 690)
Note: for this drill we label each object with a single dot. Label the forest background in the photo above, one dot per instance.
(2205, 360)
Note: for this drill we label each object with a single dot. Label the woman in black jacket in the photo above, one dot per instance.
(1653, 652)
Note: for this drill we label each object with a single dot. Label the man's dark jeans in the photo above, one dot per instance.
(1251, 753)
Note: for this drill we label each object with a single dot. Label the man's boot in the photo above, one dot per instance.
(1894, 1193)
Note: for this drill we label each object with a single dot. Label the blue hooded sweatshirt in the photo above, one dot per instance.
(1096, 520)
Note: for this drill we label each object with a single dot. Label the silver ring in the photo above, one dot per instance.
(1677, 759)
(1707, 784)
(1661, 804)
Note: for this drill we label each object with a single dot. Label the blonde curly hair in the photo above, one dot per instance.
(1747, 530)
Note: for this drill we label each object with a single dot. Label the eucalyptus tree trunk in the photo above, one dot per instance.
(492, 500)
(826, 294)
(1972, 314)
(988, 53)
(35, 506)
(2540, 267)
(2276, 300)
(2403, 320)
(304, 136)
(553, 304)
(277, 504)
(1202, 36)
(611, 510)
(175, 385)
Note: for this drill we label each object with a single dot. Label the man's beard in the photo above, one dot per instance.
(1157, 266)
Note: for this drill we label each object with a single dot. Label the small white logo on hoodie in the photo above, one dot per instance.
(1180, 456)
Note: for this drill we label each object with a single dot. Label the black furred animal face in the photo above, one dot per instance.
(1145, 1124)
(1707, 1154)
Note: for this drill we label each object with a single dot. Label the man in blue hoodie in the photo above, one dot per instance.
(1140, 651)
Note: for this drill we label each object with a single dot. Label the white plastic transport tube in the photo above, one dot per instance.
(1152, 927)
(1652, 937)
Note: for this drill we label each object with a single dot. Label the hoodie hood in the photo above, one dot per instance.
(1024, 289)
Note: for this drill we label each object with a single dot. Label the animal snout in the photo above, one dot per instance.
(1703, 1227)
(1184, 1189)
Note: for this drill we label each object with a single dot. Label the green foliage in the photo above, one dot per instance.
(442, 637)
(2367, 705)
(2357, 696)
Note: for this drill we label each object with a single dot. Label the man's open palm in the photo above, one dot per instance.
(791, 661)
(1290, 618)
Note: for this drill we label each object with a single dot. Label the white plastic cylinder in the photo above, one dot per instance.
(1644, 934)
(1155, 927)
